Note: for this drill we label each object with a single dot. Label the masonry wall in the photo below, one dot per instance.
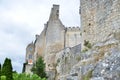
(72, 36)
(40, 44)
(54, 38)
(100, 19)
(28, 68)
(30, 49)
(30, 53)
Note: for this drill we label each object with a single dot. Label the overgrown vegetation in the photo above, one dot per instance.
(87, 44)
(6, 73)
(88, 75)
(24, 76)
(39, 68)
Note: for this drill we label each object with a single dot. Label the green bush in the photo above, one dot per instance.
(87, 44)
(3, 77)
(24, 76)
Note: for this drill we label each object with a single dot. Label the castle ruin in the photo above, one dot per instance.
(70, 53)
(54, 38)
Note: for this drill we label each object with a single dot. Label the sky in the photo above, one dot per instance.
(21, 20)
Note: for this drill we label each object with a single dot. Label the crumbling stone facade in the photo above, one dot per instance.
(99, 19)
(54, 38)
(92, 52)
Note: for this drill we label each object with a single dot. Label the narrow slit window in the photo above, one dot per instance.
(30, 56)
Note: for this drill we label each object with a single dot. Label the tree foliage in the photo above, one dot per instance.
(24, 76)
(7, 69)
(39, 68)
(0, 71)
(3, 77)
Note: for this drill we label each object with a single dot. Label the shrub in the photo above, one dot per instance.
(3, 77)
(24, 76)
(87, 44)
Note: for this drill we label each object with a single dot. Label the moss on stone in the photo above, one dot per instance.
(88, 75)
(78, 58)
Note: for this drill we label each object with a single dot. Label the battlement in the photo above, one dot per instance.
(73, 28)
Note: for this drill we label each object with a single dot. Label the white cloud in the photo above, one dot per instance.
(20, 20)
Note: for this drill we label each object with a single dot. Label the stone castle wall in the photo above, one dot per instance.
(60, 46)
(72, 36)
(100, 19)
(39, 45)
(30, 52)
(54, 38)
(30, 49)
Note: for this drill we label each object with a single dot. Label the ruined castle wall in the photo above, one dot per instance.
(39, 46)
(54, 37)
(72, 36)
(65, 60)
(54, 43)
(100, 19)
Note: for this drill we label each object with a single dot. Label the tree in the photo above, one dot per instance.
(7, 69)
(39, 68)
(0, 71)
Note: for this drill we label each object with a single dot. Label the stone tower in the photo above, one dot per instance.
(55, 32)
(54, 40)
(100, 20)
